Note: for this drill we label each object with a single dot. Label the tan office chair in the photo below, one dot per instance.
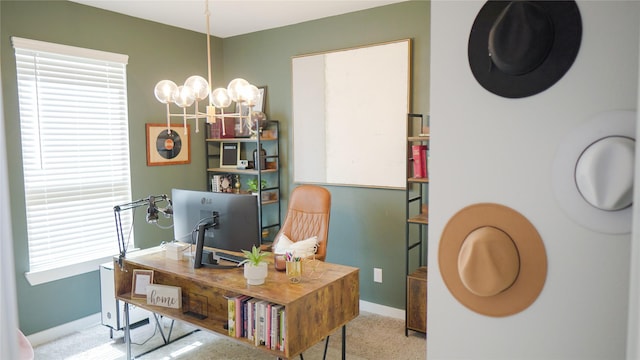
(307, 215)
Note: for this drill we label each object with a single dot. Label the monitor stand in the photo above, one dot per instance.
(205, 258)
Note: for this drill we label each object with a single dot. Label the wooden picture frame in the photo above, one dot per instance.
(229, 154)
(168, 149)
(141, 278)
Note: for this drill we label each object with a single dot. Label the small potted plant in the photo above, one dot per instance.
(255, 266)
(253, 184)
(253, 187)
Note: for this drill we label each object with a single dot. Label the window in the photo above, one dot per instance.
(75, 155)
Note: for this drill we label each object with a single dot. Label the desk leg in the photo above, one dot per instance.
(159, 327)
(344, 342)
(127, 333)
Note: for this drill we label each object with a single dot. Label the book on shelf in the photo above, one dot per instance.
(267, 332)
(283, 329)
(216, 130)
(231, 319)
(275, 327)
(240, 309)
(261, 325)
(419, 156)
(259, 321)
(250, 318)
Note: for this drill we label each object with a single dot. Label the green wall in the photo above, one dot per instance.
(155, 52)
(367, 225)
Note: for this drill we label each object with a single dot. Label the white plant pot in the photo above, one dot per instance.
(255, 275)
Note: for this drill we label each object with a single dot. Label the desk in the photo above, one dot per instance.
(315, 307)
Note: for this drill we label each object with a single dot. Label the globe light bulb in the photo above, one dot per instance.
(164, 91)
(220, 98)
(236, 89)
(199, 86)
(183, 96)
(250, 94)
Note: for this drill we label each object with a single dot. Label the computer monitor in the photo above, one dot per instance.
(232, 219)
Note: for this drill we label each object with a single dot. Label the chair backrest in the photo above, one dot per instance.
(308, 215)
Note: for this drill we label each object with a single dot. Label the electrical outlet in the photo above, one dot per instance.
(377, 275)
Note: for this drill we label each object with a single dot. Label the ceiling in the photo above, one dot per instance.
(233, 17)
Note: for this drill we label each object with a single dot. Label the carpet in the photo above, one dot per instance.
(369, 336)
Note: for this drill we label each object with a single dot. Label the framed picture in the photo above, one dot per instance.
(141, 279)
(229, 154)
(260, 104)
(168, 148)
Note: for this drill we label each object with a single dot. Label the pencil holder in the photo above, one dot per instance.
(294, 271)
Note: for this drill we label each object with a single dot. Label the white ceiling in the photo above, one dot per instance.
(233, 17)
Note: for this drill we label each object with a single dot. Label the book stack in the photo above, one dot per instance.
(257, 320)
(419, 155)
(215, 183)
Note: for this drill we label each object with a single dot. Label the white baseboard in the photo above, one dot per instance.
(53, 333)
(382, 310)
(95, 319)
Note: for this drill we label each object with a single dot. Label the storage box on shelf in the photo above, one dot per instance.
(417, 300)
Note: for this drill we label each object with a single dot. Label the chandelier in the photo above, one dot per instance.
(196, 89)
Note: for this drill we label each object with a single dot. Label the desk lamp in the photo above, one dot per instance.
(152, 217)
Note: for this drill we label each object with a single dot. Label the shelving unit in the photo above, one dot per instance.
(417, 221)
(269, 209)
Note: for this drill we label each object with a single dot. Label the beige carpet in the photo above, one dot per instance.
(369, 336)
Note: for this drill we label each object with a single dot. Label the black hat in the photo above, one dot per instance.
(521, 48)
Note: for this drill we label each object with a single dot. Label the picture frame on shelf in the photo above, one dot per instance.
(168, 147)
(229, 154)
(222, 183)
(141, 279)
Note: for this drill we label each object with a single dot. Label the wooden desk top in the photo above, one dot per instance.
(277, 288)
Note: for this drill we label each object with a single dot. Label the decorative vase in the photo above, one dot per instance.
(263, 158)
(255, 275)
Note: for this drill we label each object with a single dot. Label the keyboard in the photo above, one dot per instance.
(230, 257)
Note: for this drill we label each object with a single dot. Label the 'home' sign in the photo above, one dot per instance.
(164, 295)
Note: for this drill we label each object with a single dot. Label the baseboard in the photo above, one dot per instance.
(53, 333)
(382, 310)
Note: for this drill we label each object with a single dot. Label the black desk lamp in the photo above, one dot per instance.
(152, 217)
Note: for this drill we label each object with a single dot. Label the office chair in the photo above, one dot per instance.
(307, 216)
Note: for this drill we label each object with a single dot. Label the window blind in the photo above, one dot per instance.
(75, 151)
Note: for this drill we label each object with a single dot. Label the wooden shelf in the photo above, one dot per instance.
(419, 219)
(248, 140)
(418, 180)
(241, 171)
(419, 138)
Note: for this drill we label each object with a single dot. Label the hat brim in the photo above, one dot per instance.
(531, 250)
(567, 37)
(600, 126)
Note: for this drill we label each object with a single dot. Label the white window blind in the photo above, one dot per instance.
(75, 151)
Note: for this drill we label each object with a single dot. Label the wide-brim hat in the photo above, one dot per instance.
(492, 259)
(521, 48)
